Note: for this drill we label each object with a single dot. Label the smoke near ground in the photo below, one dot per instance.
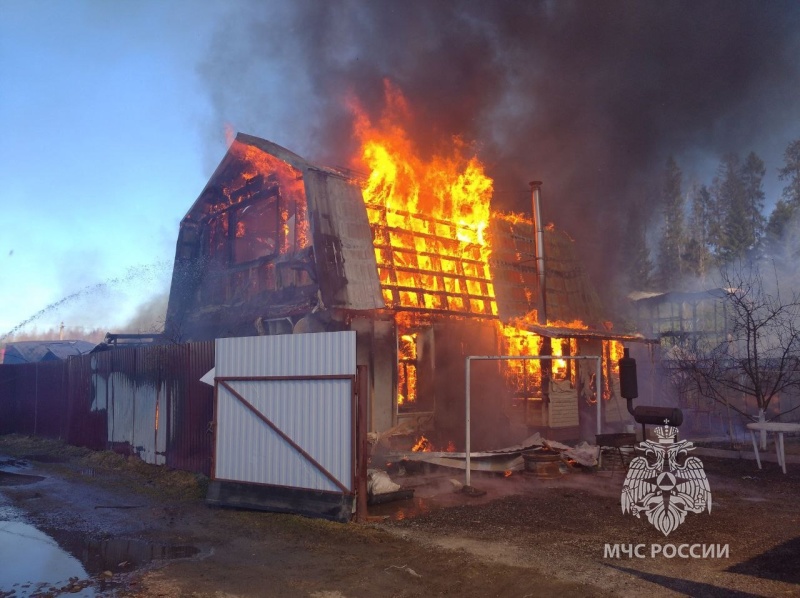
(149, 317)
(590, 97)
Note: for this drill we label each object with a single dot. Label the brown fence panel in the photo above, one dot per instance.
(85, 416)
(190, 407)
(32, 398)
(146, 401)
(51, 399)
(9, 398)
(25, 387)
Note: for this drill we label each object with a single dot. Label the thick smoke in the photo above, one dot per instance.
(149, 317)
(590, 97)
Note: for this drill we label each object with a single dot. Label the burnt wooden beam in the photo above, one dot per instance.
(435, 273)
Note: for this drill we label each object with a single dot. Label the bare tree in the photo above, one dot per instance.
(759, 357)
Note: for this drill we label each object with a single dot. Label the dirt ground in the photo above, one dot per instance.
(526, 536)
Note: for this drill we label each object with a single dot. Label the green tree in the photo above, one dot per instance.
(697, 254)
(733, 237)
(787, 209)
(670, 249)
(638, 266)
(782, 214)
(791, 173)
(752, 175)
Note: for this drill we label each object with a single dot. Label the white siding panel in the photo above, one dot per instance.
(315, 414)
(325, 353)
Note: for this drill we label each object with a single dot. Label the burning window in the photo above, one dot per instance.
(217, 234)
(612, 352)
(256, 230)
(407, 373)
(258, 211)
(414, 363)
(525, 376)
(253, 224)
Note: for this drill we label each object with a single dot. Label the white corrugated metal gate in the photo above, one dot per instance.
(285, 423)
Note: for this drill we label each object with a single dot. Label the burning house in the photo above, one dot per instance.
(425, 274)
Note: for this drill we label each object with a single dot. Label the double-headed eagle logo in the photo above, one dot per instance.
(660, 487)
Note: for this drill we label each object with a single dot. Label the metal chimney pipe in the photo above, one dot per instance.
(538, 235)
(541, 313)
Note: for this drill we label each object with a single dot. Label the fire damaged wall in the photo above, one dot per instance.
(244, 252)
(455, 340)
(265, 246)
(277, 245)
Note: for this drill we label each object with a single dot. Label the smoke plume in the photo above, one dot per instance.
(590, 97)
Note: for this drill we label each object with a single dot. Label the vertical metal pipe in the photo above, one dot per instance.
(362, 446)
(538, 235)
(541, 312)
(213, 425)
(599, 393)
(467, 441)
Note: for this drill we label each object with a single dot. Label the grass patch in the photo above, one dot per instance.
(155, 480)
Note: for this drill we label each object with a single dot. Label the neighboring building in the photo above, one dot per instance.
(682, 319)
(277, 245)
(36, 351)
(686, 324)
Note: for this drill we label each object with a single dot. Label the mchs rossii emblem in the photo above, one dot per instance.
(661, 487)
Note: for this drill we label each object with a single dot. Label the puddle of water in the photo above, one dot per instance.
(36, 563)
(8, 478)
(10, 473)
(33, 563)
(120, 554)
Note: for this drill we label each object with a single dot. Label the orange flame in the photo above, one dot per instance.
(293, 215)
(407, 370)
(526, 374)
(429, 220)
(423, 445)
(612, 352)
(429, 217)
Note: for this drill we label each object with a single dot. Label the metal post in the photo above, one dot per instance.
(538, 235)
(599, 393)
(362, 447)
(467, 440)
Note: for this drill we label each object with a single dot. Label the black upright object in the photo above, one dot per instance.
(629, 389)
(628, 385)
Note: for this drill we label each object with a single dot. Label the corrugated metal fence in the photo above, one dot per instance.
(147, 401)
